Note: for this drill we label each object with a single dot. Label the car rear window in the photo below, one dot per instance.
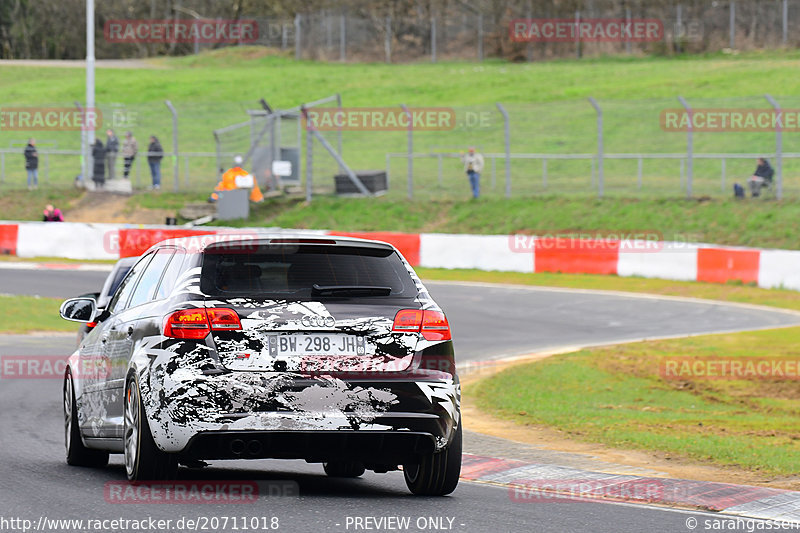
(291, 270)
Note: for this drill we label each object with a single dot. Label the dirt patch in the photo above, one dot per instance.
(552, 439)
(113, 208)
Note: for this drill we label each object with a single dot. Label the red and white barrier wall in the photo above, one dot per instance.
(522, 253)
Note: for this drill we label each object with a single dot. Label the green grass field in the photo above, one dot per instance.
(41, 314)
(616, 396)
(546, 101)
(748, 223)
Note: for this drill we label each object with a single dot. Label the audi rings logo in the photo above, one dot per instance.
(318, 321)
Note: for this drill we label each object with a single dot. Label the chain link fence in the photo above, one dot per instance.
(554, 148)
(477, 30)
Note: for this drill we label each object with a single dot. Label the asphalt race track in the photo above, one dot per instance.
(487, 322)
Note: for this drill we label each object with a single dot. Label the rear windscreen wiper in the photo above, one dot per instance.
(355, 290)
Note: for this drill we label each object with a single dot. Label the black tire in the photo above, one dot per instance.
(144, 461)
(77, 453)
(437, 473)
(344, 468)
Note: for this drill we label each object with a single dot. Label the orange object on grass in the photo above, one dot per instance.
(228, 183)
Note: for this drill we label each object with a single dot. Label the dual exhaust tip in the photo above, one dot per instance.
(240, 448)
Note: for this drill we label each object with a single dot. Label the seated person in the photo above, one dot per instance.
(52, 214)
(228, 182)
(761, 178)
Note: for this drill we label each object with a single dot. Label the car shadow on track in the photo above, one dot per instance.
(309, 483)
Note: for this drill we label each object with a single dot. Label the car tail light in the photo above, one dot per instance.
(407, 321)
(435, 326)
(432, 324)
(222, 318)
(197, 323)
(187, 324)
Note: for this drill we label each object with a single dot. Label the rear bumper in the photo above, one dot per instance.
(370, 447)
(195, 415)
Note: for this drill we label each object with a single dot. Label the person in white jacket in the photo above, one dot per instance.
(473, 166)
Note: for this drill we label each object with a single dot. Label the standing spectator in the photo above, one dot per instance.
(129, 149)
(32, 164)
(473, 166)
(52, 214)
(112, 147)
(154, 155)
(99, 169)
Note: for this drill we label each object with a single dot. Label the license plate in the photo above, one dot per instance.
(315, 344)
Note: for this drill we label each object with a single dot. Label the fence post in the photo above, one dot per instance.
(778, 148)
(785, 25)
(342, 38)
(84, 170)
(298, 49)
(732, 24)
(410, 156)
(433, 39)
(722, 187)
(529, 46)
(176, 167)
(689, 148)
(219, 155)
(309, 158)
(186, 171)
(387, 39)
(600, 180)
(544, 174)
(639, 172)
(339, 131)
(578, 34)
(507, 135)
(46, 169)
(627, 37)
(678, 30)
(480, 36)
(494, 172)
(439, 157)
(2, 167)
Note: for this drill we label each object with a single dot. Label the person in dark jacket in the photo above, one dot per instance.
(761, 178)
(112, 148)
(32, 164)
(99, 169)
(154, 155)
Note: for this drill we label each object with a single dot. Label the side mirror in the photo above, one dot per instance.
(79, 309)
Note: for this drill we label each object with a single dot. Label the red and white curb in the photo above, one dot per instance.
(531, 483)
(72, 267)
(510, 253)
